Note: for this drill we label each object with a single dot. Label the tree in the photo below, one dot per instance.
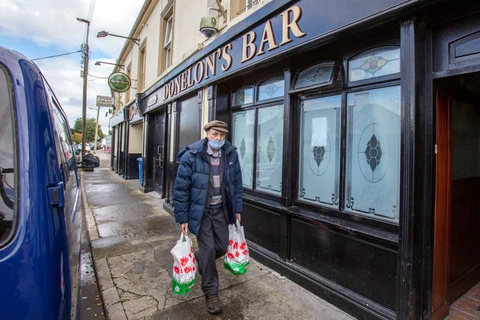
(90, 128)
(77, 137)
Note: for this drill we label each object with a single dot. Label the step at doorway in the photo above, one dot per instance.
(467, 306)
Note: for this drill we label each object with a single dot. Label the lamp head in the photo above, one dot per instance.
(102, 34)
(208, 26)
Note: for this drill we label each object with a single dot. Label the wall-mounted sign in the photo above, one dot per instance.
(152, 100)
(222, 59)
(105, 101)
(284, 31)
(119, 82)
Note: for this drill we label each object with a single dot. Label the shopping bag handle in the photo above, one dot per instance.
(237, 224)
(183, 237)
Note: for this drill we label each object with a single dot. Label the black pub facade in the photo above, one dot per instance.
(357, 128)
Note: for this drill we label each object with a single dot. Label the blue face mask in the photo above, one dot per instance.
(216, 145)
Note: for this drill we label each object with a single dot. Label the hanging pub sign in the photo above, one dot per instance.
(119, 82)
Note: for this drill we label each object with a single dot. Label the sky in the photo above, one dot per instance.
(42, 28)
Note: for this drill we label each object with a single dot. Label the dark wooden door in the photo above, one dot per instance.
(159, 152)
(457, 204)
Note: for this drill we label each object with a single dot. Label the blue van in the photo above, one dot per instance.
(40, 203)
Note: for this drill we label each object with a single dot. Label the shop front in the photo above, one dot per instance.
(357, 133)
(134, 136)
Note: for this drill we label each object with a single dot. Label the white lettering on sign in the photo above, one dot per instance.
(105, 101)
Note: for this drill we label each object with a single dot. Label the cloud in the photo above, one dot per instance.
(50, 27)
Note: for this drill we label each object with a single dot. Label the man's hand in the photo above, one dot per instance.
(239, 217)
(184, 228)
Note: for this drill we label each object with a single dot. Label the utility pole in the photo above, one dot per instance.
(85, 52)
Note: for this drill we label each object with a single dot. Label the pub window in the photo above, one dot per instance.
(373, 153)
(270, 149)
(374, 63)
(315, 76)
(242, 96)
(367, 123)
(257, 132)
(271, 89)
(243, 127)
(320, 151)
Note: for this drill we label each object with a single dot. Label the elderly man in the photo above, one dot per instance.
(207, 197)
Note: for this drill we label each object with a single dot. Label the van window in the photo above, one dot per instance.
(65, 148)
(8, 168)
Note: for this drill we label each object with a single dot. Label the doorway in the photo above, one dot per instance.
(457, 191)
(159, 152)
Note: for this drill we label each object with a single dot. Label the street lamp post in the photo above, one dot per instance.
(85, 83)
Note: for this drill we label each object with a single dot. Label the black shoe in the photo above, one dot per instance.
(198, 264)
(213, 304)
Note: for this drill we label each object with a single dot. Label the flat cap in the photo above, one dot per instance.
(216, 125)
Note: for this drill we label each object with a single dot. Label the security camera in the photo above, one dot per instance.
(208, 26)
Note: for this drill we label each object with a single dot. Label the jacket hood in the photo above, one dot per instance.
(200, 146)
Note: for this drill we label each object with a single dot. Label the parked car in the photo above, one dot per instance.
(40, 204)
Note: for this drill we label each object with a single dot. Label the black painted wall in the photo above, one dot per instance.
(132, 166)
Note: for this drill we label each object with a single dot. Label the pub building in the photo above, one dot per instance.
(357, 129)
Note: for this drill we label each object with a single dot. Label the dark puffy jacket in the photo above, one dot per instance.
(193, 177)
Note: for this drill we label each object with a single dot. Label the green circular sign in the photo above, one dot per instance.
(119, 82)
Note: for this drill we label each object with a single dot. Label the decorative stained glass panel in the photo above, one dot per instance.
(243, 96)
(319, 151)
(271, 89)
(374, 63)
(270, 149)
(315, 76)
(243, 126)
(373, 153)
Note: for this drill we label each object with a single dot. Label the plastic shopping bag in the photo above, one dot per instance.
(184, 266)
(236, 258)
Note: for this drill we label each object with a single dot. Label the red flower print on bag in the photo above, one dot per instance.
(245, 252)
(184, 261)
(235, 245)
(187, 269)
(230, 255)
(230, 242)
(243, 245)
(237, 254)
(176, 269)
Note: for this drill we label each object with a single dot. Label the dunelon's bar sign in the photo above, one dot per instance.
(221, 60)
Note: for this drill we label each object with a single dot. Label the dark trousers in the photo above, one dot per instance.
(212, 242)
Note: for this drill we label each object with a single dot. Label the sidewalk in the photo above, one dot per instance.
(131, 238)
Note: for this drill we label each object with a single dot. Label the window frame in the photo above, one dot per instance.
(16, 174)
(315, 92)
(142, 67)
(256, 106)
(167, 42)
(333, 77)
(257, 88)
(392, 42)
